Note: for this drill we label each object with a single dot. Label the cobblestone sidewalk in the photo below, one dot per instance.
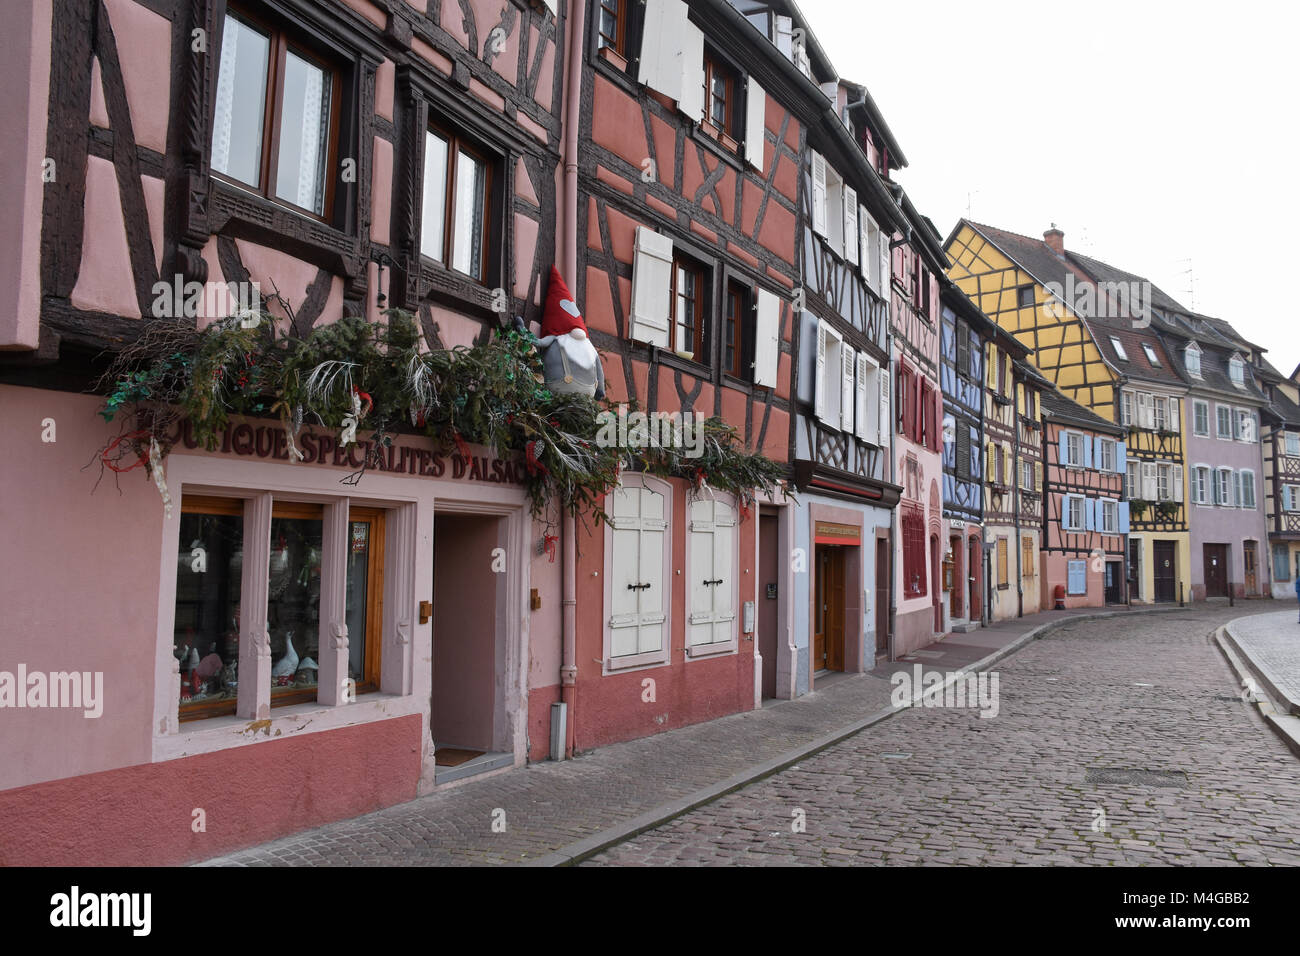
(1272, 643)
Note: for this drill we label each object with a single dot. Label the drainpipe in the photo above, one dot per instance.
(575, 14)
(1015, 496)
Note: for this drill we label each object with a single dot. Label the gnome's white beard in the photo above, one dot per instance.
(577, 349)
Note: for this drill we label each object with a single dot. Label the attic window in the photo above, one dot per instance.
(1119, 349)
(1237, 371)
(1192, 360)
(1025, 297)
(1151, 355)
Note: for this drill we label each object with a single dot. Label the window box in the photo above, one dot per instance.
(613, 58)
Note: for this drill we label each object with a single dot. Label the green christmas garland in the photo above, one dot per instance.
(376, 377)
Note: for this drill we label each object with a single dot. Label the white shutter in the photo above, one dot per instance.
(886, 424)
(866, 422)
(691, 102)
(1150, 480)
(1177, 483)
(831, 88)
(848, 365)
(784, 33)
(652, 273)
(851, 238)
(819, 381)
(661, 47)
(767, 344)
(886, 271)
(755, 117)
(867, 261)
(711, 616)
(1146, 410)
(1175, 423)
(819, 193)
(638, 528)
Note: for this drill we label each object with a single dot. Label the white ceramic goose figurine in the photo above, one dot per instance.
(288, 664)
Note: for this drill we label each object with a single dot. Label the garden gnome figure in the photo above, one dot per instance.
(570, 363)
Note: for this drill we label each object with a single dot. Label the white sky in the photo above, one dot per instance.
(1162, 137)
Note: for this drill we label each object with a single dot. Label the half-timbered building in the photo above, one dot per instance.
(1085, 516)
(275, 646)
(1091, 336)
(1281, 484)
(917, 258)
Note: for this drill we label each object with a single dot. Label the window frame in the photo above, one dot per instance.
(1199, 405)
(1225, 479)
(620, 12)
(1287, 439)
(1020, 297)
(714, 65)
(1254, 495)
(281, 42)
(1151, 356)
(741, 293)
(1072, 461)
(455, 145)
(681, 260)
(1067, 518)
(1120, 351)
(1192, 357)
(1109, 506)
(1219, 410)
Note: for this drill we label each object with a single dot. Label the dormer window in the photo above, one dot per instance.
(1192, 360)
(1119, 349)
(1237, 371)
(1151, 355)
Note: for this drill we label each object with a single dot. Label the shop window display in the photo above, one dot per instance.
(206, 643)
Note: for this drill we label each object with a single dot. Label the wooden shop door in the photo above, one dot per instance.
(1250, 554)
(828, 638)
(883, 577)
(1165, 571)
(1216, 570)
(958, 579)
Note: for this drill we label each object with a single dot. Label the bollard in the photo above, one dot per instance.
(1180, 594)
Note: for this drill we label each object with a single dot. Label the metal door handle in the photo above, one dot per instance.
(638, 587)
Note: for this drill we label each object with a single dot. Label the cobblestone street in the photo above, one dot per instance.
(938, 786)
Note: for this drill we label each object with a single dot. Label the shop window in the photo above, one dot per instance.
(276, 118)
(208, 577)
(293, 601)
(455, 220)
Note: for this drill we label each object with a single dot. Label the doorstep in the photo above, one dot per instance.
(470, 768)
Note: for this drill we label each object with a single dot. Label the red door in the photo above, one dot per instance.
(936, 585)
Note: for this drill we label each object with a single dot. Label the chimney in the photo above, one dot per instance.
(1055, 240)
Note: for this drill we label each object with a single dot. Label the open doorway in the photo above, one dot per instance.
(467, 705)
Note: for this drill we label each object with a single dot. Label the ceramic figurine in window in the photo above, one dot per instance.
(285, 667)
(570, 363)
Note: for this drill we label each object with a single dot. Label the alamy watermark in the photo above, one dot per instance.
(70, 689)
(178, 298)
(1100, 300)
(934, 689)
(652, 430)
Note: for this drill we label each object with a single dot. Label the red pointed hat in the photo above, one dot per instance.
(561, 315)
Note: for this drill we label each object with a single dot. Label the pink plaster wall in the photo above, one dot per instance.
(104, 282)
(143, 47)
(1056, 570)
(384, 89)
(143, 815)
(381, 191)
(275, 269)
(24, 111)
(73, 599)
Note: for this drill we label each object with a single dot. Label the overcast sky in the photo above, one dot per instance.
(1160, 136)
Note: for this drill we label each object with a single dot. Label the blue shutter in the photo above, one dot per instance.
(1064, 441)
(1123, 517)
(1089, 514)
(1121, 458)
(1096, 452)
(1087, 451)
(1078, 582)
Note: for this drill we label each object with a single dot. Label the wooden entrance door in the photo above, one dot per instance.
(769, 579)
(1165, 571)
(1216, 570)
(936, 585)
(1250, 555)
(976, 605)
(828, 635)
(883, 576)
(1114, 578)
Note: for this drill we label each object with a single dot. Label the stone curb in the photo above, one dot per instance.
(625, 830)
(1283, 724)
(1257, 671)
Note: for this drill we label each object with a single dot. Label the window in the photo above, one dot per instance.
(1164, 486)
(1107, 456)
(1161, 413)
(1127, 410)
(1027, 556)
(1224, 415)
(687, 298)
(1027, 475)
(1201, 418)
(711, 575)
(1192, 361)
(207, 625)
(1131, 484)
(1245, 425)
(1237, 371)
(1077, 582)
(1109, 517)
(1004, 580)
(1201, 485)
(1073, 517)
(1291, 497)
(1119, 349)
(363, 601)
(1293, 444)
(1281, 562)
(1025, 297)
(1151, 355)
(914, 570)
(611, 26)
(733, 330)
(1225, 497)
(293, 609)
(720, 90)
(275, 124)
(1074, 445)
(455, 216)
(1246, 481)
(638, 545)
